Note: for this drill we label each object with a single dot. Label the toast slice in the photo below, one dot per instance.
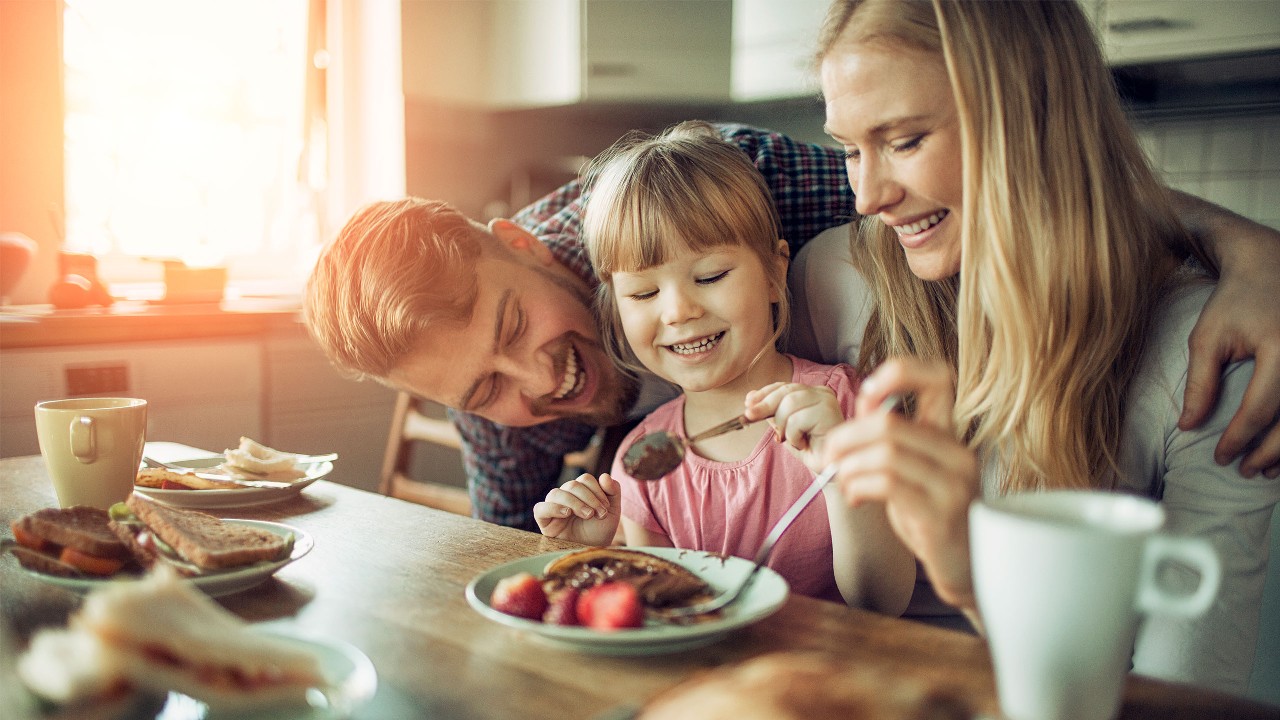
(660, 582)
(86, 529)
(156, 478)
(36, 561)
(204, 540)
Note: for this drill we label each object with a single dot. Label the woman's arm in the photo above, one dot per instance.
(1241, 320)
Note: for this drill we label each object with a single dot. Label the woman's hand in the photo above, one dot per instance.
(802, 416)
(583, 510)
(925, 476)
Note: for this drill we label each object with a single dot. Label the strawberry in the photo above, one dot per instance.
(520, 595)
(563, 609)
(611, 606)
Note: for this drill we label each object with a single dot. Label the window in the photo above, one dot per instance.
(195, 131)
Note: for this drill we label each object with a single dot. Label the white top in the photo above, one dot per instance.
(1160, 461)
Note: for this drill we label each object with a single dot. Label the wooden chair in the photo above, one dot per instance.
(410, 425)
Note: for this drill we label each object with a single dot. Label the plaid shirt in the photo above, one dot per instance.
(511, 468)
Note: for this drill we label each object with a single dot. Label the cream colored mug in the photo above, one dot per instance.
(92, 447)
(1062, 579)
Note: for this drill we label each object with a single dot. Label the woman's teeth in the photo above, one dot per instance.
(921, 225)
(702, 345)
(572, 378)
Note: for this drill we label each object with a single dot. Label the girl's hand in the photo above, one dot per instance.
(802, 416)
(583, 510)
(925, 476)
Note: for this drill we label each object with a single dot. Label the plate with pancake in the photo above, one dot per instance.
(765, 596)
(212, 583)
(236, 496)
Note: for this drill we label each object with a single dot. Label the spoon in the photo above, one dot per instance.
(890, 404)
(658, 453)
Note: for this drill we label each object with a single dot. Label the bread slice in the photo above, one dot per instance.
(204, 540)
(155, 478)
(660, 582)
(86, 529)
(36, 561)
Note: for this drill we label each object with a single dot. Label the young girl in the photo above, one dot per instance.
(684, 238)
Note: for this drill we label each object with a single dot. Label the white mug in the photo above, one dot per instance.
(1061, 579)
(92, 447)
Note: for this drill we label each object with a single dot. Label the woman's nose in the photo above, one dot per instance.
(876, 189)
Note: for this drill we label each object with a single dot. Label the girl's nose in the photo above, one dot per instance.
(876, 189)
(679, 305)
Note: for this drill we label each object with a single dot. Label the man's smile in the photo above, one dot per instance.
(575, 377)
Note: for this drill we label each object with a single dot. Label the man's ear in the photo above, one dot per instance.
(520, 241)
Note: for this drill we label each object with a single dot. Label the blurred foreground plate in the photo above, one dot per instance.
(213, 584)
(762, 599)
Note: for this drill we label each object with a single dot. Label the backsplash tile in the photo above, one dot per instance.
(1232, 161)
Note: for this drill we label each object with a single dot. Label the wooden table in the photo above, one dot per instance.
(388, 577)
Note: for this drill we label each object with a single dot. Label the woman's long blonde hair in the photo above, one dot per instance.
(649, 196)
(1063, 236)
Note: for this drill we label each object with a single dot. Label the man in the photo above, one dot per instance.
(496, 322)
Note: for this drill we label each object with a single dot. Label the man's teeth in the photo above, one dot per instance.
(921, 225)
(702, 345)
(572, 378)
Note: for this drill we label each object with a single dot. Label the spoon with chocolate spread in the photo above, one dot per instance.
(658, 453)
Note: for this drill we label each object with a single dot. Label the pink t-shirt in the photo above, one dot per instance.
(729, 507)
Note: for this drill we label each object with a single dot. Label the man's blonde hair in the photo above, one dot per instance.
(1063, 234)
(396, 270)
(651, 196)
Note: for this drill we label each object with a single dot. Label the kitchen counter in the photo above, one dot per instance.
(32, 326)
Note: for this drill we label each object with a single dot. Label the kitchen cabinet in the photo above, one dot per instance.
(1144, 31)
(508, 54)
(274, 386)
(773, 48)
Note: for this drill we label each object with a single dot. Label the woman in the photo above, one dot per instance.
(1016, 244)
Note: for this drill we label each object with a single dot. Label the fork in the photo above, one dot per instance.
(890, 404)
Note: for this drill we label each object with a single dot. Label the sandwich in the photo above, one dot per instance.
(191, 541)
(69, 542)
(158, 635)
(660, 583)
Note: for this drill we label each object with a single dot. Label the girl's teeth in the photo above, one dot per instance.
(696, 347)
(921, 225)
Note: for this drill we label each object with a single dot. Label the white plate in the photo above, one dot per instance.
(235, 497)
(762, 599)
(350, 675)
(214, 584)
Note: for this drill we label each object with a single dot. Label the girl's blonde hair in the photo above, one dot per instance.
(648, 197)
(1063, 236)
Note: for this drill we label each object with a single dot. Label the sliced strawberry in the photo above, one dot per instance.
(611, 606)
(520, 595)
(166, 484)
(563, 609)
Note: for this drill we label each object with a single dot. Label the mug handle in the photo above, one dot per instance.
(84, 443)
(1194, 552)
